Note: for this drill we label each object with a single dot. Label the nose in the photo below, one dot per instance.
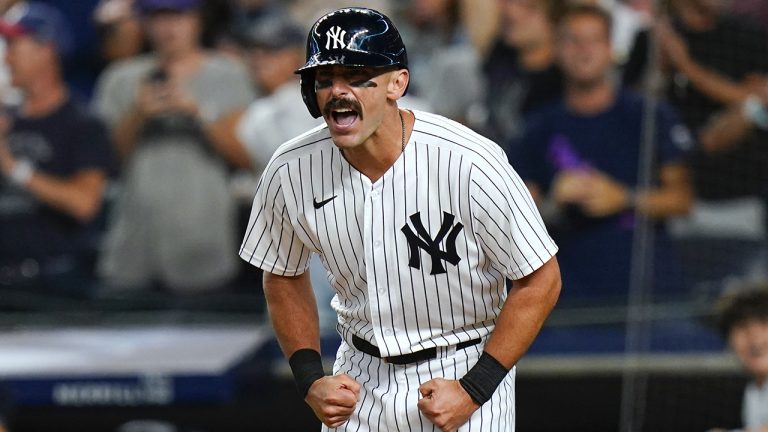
(339, 87)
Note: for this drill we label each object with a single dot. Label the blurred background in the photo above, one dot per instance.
(133, 134)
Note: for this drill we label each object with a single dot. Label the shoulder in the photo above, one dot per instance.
(221, 64)
(440, 131)
(129, 68)
(437, 131)
(313, 141)
(290, 153)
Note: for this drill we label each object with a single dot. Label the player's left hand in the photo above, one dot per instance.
(446, 404)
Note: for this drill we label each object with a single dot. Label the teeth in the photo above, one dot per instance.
(341, 110)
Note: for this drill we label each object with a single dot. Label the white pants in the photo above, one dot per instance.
(389, 393)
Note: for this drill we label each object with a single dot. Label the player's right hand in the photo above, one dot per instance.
(333, 399)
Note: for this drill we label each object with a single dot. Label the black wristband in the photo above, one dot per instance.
(481, 381)
(307, 367)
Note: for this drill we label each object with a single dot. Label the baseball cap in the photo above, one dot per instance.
(273, 34)
(42, 22)
(149, 6)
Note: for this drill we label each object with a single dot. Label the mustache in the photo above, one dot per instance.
(337, 103)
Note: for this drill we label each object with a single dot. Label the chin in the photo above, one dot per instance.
(344, 141)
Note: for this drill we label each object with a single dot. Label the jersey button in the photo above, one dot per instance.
(382, 291)
(377, 244)
(388, 332)
(374, 194)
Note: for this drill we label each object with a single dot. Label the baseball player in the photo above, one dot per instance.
(418, 221)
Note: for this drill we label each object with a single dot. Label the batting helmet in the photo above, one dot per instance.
(350, 37)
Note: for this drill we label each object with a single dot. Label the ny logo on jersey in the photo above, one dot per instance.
(335, 34)
(432, 245)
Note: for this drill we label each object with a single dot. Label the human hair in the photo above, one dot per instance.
(554, 9)
(598, 12)
(749, 303)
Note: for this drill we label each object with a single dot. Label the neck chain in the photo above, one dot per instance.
(402, 125)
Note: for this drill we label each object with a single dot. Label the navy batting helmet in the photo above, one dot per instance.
(350, 37)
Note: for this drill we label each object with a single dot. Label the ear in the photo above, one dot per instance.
(398, 82)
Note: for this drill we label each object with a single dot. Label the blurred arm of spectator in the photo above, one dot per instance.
(675, 54)
(674, 197)
(119, 28)
(730, 128)
(223, 136)
(79, 195)
(155, 98)
(600, 195)
(481, 20)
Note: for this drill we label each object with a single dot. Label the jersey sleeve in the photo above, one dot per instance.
(673, 137)
(270, 242)
(510, 229)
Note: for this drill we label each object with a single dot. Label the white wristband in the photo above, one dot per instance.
(754, 110)
(22, 172)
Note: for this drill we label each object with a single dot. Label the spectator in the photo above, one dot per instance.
(247, 13)
(712, 59)
(10, 10)
(119, 30)
(580, 158)
(243, 15)
(742, 318)
(174, 222)
(520, 70)
(274, 50)
(54, 160)
(629, 39)
(442, 57)
(305, 12)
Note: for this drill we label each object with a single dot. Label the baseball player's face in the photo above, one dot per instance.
(352, 100)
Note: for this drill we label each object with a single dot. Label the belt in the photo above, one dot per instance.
(425, 354)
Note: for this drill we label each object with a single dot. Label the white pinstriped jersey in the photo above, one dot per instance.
(418, 258)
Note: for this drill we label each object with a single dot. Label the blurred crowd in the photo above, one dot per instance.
(131, 143)
(133, 134)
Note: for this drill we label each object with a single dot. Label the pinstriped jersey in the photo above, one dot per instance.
(419, 257)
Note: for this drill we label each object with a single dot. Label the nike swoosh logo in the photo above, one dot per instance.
(323, 202)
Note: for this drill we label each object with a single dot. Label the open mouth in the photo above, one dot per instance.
(344, 117)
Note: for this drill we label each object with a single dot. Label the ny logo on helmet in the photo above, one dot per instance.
(335, 34)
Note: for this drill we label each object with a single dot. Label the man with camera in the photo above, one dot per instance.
(174, 222)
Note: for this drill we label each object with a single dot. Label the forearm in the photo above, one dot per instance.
(126, 133)
(222, 136)
(481, 23)
(293, 312)
(726, 130)
(660, 204)
(80, 196)
(712, 84)
(673, 198)
(529, 303)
